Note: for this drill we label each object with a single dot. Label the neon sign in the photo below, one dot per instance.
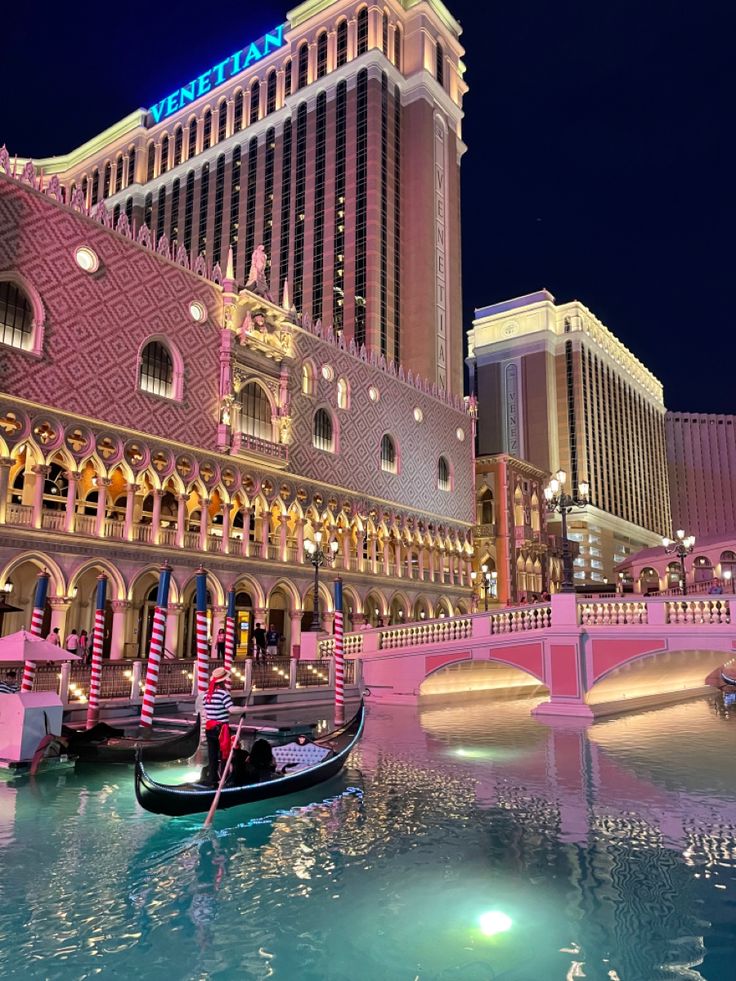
(219, 73)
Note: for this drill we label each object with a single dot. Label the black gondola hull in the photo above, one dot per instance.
(192, 799)
(123, 750)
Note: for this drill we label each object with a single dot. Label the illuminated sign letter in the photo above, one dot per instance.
(237, 66)
(157, 110)
(219, 71)
(172, 103)
(186, 94)
(253, 55)
(203, 83)
(273, 40)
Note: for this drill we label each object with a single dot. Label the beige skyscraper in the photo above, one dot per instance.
(557, 388)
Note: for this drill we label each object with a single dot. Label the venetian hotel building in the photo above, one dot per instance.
(152, 407)
(335, 141)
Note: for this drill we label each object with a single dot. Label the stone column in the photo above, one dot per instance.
(230, 117)
(41, 473)
(225, 529)
(130, 492)
(5, 465)
(345, 548)
(432, 563)
(359, 621)
(386, 558)
(300, 556)
(181, 518)
(200, 133)
(373, 558)
(328, 620)
(265, 528)
(280, 87)
(102, 484)
(331, 51)
(173, 627)
(352, 38)
(72, 477)
(246, 532)
(60, 607)
(203, 523)
(312, 63)
(156, 516)
(157, 154)
(295, 619)
(283, 529)
(120, 610)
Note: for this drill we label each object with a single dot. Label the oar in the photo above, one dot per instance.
(226, 770)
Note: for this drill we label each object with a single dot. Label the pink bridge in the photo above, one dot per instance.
(592, 657)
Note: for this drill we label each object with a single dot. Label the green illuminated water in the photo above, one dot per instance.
(464, 842)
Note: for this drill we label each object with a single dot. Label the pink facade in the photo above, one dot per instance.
(701, 459)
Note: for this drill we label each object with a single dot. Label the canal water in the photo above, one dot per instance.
(465, 841)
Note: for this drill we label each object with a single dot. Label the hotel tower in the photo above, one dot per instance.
(335, 142)
(556, 388)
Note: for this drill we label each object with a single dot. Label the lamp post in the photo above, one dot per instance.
(559, 501)
(317, 555)
(728, 576)
(681, 546)
(6, 607)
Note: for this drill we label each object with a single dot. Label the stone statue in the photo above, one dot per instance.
(257, 276)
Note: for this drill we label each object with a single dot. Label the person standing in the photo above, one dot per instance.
(272, 641)
(54, 638)
(9, 684)
(84, 650)
(220, 643)
(218, 705)
(72, 643)
(259, 637)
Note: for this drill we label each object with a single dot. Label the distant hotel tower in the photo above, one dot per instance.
(556, 388)
(314, 141)
(701, 453)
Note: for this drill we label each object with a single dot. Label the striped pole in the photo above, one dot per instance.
(158, 633)
(339, 657)
(202, 652)
(230, 634)
(39, 608)
(98, 637)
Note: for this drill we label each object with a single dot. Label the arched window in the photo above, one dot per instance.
(342, 43)
(255, 98)
(16, 317)
(649, 580)
(440, 64)
(303, 66)
(322, 55)
(85, 188)
(157, 370)
(307, 379)
(164, 153)
(178, 143)
(343, 393)
(322, 435)
(388, 454)
(535, 513)
(384, 34)
(397, 46)
(485, 507)
(106, 179)
(287, 77)
(95, 186)
(119, 173)
(271, 91)
(221, 120)
(363, 31)
(192, 145)
(151, 164)
(443, 474)
(728, 565)
(239, 111)
(674, 574)
(702, 569)
(131, 166)
(206, 129)
(255, 412)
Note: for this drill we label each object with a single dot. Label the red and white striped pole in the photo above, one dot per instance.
(230, 634)
(158, 633)
(98, 637)
(39, 609)
(202, 649)
(339, 657)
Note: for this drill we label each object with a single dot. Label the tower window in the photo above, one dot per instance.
(16, 317)
(443, 474)
(255, 412)
(388, 454)
(363, 31)
(157, 370)
(322, 433)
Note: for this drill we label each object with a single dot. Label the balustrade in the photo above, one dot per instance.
(699, 611)
(426, 632)
(191, 540)
(113, 528)
(352, 645)
(615, 613)
(84, 524)
(53, 520)
(19, 514)
(520, 619)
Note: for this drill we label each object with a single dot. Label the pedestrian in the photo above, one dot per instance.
(259, 638)
(220, 643)
(54, 638)
(9, 684)
(84, 649)
(72, 642)
(272, 641)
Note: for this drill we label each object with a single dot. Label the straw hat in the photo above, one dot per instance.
(220, 674)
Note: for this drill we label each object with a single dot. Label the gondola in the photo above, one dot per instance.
(113, 746)
(194, 798)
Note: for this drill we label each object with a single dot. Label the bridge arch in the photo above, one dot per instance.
(459, 674)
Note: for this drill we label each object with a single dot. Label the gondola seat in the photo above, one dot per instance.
(299, 757)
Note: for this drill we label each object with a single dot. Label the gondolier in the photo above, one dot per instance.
(218, 706)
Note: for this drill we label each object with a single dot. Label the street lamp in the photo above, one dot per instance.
(558, 500)
(317, 556)
(681, 546)
(728, 576)
(489, 577)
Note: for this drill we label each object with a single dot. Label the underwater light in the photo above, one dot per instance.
(494, 922)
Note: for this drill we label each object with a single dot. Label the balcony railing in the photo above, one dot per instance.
(19, 514)
(487, 530)
(243, 443)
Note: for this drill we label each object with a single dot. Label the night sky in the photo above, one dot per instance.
(600, 160)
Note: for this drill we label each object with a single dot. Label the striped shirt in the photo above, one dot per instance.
(8, 689)
(217, 708)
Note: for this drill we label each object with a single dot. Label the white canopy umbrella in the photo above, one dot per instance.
(24, 646)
